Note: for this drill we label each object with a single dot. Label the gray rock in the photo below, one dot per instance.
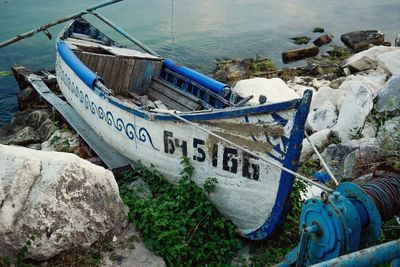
(388, 135)
(25, 137)
(322, 117)
(319, 139)
(140, 188)
(397, 42)
(37, 117)
(65, 201)
(389, 96)
(360, 40)
(37, 146)
(335, 155)
(45, 130)
(25, 98)
(390, 61)
(353, 111)
(360, 161)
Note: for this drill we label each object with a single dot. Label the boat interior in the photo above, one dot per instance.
(140, 78)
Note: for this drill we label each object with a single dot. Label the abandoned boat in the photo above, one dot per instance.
(154, 111)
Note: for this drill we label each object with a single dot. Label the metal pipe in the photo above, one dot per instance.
(44, 27)
(124, 33)
(327, 189)
(322, 160)
(367, 257)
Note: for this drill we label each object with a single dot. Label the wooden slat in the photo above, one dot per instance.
(109, 65)
(181, 97)
(110, 157)
(126, 81)
(100, 65)
(115, 73)
(155, 95)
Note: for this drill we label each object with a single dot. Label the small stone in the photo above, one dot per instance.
(323, 40)
(299, 40)
(387, 43)
(318, 29)
(37, 146)
(298, 54)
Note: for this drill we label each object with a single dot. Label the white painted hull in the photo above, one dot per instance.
(247, 191)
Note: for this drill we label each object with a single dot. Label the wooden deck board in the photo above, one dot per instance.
(112, 159)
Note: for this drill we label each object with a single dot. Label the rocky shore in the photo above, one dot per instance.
(354, 120)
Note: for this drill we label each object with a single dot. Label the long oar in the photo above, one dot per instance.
(44, 27)
(299, 176)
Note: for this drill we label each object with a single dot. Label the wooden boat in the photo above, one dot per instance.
(128, 96)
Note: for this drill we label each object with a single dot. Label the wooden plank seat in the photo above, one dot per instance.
(172, 97)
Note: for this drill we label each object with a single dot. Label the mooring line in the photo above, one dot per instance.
(321, 160)
(173, 113)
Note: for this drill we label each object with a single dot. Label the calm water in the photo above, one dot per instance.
(193, 32)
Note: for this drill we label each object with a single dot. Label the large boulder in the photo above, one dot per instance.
(324, 94)
(353, 111)
(65, 201)
(389, 96)
(360, 40)
(274, 89)
(390, 61)
(397, 41)
(367, 59)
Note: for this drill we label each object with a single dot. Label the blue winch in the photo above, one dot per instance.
(346, 221)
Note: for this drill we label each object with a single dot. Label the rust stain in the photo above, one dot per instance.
(247, 129)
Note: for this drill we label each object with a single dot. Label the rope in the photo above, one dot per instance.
(322, 160)
(327, 189)
(385, 192)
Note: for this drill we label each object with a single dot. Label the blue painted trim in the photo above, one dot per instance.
(80, 69)
(197, 77)
(286, 181)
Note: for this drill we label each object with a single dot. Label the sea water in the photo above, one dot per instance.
(192, 32)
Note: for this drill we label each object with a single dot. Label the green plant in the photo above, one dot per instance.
(356, 133)
(178, 222)
(20, 258)
(210, 184)
(54, 140)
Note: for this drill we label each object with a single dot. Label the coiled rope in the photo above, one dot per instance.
(385, 192)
